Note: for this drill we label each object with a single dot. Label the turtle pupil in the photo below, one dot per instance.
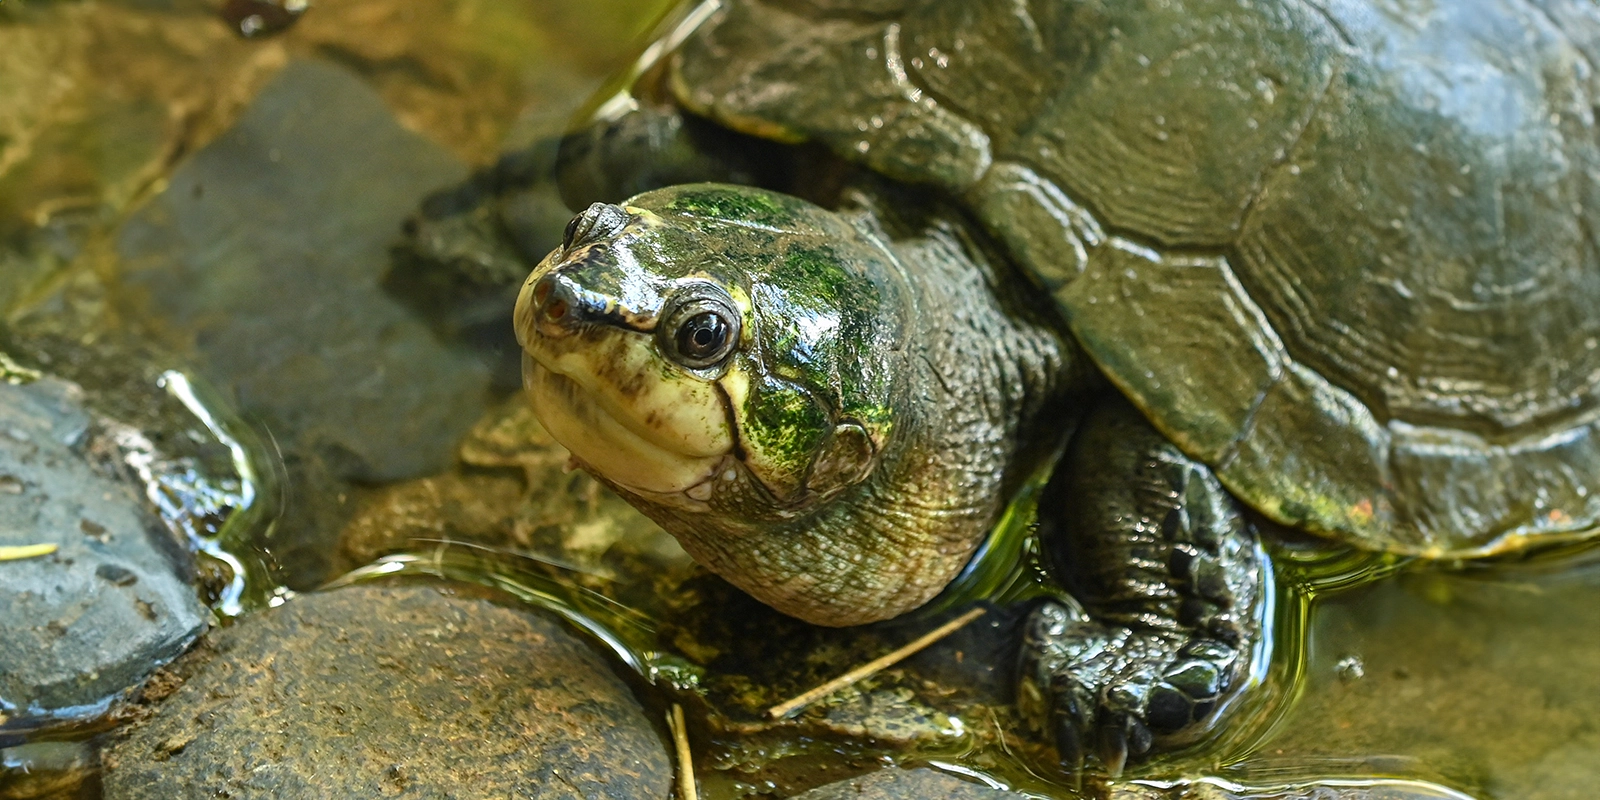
(702, 335)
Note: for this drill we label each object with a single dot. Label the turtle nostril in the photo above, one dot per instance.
(555, 308)
(552, 301)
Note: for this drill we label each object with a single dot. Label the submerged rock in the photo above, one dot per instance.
(905, 784)
(513, 489)
(264, 257)
(1376, 789)
(114, 600)
(377, 691)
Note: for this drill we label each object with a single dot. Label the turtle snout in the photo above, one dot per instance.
(558, 304)
(558, 307)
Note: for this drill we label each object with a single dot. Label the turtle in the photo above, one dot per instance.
(851, 272)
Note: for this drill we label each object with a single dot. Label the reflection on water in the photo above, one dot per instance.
(1485, 679)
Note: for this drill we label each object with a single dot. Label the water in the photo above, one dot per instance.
(1485, 679)
(1481, 679)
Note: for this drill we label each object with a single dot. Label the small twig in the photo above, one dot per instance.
(16, 552)
(872, 667)
(680, 738)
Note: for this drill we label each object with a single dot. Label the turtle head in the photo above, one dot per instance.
(759, 376)
(730, 360)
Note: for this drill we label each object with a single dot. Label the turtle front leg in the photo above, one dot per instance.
(1172, 584)
(655, 145)
(506, 216)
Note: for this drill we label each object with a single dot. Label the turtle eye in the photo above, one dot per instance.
(700, 327)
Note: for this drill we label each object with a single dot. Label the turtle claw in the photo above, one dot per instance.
(1069, 745)
(1122, 694)
(1123, 736)
(1113, 749)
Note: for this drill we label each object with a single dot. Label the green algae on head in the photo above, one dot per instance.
(750, 370)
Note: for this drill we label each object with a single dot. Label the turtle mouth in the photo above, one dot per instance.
(607, 445)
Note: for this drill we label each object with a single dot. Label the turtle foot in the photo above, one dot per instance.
(1120, 694)
(1171, 588)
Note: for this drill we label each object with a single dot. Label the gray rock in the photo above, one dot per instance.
(265, 256)
(375, 691)
(115, 599)
(907, 784)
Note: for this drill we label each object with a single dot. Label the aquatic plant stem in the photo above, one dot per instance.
(872, 667)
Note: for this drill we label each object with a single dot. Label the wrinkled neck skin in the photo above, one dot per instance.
(987, 382)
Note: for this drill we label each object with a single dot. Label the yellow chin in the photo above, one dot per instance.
(580, 422)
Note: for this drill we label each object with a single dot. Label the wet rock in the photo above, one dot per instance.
(513, 489)
(892, 717)
(416, 514)
(264, 257)
(114, 600)
(374, 691)
(1376, 789)
(907, 784)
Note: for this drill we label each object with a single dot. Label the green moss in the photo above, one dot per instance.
(735, 204)
(815, 277)
(783, 426)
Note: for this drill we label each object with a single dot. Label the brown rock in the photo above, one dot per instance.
(378, 691)
(907, 784)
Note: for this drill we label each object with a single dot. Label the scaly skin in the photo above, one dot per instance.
(885, 387)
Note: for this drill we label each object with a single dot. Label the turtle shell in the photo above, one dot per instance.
(1344, 252)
